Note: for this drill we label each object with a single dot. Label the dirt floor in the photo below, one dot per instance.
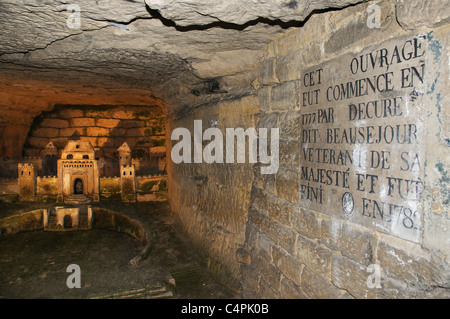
(34, 264)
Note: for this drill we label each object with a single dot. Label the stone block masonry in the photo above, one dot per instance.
(27, 182)
(358, 207)
(211, 201)
(353, 211)
(106, 127)
(47, 186)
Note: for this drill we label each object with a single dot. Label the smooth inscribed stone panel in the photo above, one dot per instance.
(362, 150)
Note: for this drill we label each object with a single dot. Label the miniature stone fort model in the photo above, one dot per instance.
(78, 179)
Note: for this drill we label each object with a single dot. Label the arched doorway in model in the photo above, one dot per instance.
(78, 186)
(67, 221)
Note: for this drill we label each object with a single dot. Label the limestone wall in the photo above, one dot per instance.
(211, 200)
(46, 188)
(151, 188)
(106, 127)
(47, 185)
(12, 139)
(148, 188)
(354, 214)
(110, 188)
(28, 221)
(149, 183)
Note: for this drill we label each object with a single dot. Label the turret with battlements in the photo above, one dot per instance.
(128, 183)
(27, 182)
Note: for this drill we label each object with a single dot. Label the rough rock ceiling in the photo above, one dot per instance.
(134, 50)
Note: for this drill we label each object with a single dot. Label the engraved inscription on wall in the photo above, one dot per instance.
(362, 155)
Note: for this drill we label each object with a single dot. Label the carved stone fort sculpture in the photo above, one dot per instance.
(78, 179)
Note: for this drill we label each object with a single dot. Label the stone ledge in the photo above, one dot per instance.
(102, 219)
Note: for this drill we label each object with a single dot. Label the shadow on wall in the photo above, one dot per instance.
(12, 139)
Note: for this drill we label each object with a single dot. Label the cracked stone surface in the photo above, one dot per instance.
(138, 52)
(188, 12)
